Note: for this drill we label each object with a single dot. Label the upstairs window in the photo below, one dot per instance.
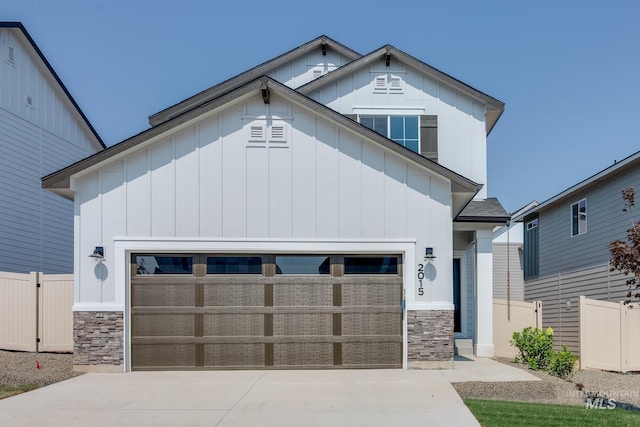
(402, 129)
(579, 218)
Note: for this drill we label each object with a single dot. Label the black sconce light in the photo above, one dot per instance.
(98, 254)
(428, 254)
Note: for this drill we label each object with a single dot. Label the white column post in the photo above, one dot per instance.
(484, 294)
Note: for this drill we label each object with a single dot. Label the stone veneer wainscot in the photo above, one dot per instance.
(98, 341)
(430, 339)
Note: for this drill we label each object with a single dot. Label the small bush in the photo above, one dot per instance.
(535, 346)
(562, 363)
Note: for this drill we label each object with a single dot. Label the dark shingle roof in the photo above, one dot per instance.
(488, 210)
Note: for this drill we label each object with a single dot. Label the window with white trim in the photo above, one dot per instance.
(579, 218)
(402, 129)
(532, 224)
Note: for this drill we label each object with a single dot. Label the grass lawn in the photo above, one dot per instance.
(12, 390)
(499, 413)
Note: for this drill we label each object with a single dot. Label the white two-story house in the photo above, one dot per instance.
(322, 210)
(42, 129)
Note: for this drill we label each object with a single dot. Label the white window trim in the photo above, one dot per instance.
(372, 110)
(389, 125)
(532, 224)
(125, 246)
(586, 215)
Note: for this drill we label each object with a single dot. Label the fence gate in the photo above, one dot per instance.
(522, 314)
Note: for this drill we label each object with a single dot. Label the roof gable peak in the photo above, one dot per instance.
(320, 42)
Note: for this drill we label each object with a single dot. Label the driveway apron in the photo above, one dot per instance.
(243, 398)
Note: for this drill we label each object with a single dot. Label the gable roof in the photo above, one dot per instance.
(32, 43)
(249, 75)
(60, 182)
(494, 107)
(631, 161)
(488, 210)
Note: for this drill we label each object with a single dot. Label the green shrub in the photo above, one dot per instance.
(562, 363)
(535, 346)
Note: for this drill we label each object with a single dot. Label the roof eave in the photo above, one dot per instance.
(592, 180)
(60, 180)
(247, 76)
(495, 107)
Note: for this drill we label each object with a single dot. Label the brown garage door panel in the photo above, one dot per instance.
(230, 356)
(163, 356)
(233, 324)
(303, 355)
(277, 321)
(149, 325)
(372, 354)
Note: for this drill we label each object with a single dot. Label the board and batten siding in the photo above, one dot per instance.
(36, 138)
(303, 70)
(208, 181)
(559, 252)
(461, 120)
(26, 79)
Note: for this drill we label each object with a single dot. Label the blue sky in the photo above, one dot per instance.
(568, 71)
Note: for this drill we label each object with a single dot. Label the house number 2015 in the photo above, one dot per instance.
(420, 279)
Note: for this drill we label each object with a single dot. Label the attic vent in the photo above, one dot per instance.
(277, 133)
(395, 83)
(257, 133)
(11, 54)
(317, 73)
(381, 82)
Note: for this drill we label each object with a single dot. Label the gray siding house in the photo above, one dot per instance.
(566, 246)
(41, 130)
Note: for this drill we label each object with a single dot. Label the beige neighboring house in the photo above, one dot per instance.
(508, 273)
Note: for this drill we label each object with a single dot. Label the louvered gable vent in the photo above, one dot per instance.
(257, 133)
(277, 132)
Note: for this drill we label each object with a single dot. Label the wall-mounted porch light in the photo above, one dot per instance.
(428, 254)
(98, 254)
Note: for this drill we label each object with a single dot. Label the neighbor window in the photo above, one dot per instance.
(532, 224)
(401, 129)
(579, 217)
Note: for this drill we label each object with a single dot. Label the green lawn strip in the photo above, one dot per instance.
(12, 390)
(492, 413)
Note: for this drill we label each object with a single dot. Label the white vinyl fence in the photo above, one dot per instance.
(609, 335)
(522, 314)
(36, 312)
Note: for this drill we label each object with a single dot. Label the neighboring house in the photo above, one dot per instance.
(508, 272)
(321, 210)
(42, 129)
(566, 247)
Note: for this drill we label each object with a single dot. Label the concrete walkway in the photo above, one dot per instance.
(257, 398)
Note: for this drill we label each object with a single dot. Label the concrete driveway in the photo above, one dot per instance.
(253, 398)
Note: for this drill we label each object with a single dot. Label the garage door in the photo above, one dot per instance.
(213, 311)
